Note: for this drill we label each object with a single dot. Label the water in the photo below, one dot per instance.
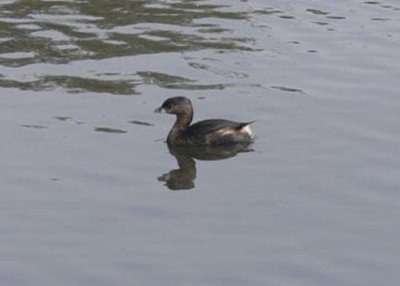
(91, 195)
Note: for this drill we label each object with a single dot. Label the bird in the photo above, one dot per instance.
(210, 132)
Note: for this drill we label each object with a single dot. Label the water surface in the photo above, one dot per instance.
(91, 194)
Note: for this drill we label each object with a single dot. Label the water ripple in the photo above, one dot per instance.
(62, 32)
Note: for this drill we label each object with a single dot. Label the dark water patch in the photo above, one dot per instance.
(88, 28)
(380, 19)
(317, 12)
(80, 84)
(44, 50)
(74, 85)
(142, 123)
(35, 86)
(287, 89)
(33, 126)
(336, 17)
(321, 23)
(372, 2)
(108, 74)
(110, 130)
(24, 8)
(287, 17)
(391, 7)
(214, 30)
(387, 6)
(62, 118)
(121, 13)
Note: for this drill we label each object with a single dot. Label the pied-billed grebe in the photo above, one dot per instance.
(206, 132)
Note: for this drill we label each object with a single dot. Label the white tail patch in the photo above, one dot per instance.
(246, 129)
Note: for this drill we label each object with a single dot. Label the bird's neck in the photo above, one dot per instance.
(182, 122)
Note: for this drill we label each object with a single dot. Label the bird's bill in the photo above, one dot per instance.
(159, 110)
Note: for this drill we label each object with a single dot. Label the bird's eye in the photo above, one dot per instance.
(170, 105)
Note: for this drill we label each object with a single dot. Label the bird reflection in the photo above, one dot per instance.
(184, 177)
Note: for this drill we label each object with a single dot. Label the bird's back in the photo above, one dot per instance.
(218, 132)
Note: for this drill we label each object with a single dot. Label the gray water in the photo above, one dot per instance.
(91, 195)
